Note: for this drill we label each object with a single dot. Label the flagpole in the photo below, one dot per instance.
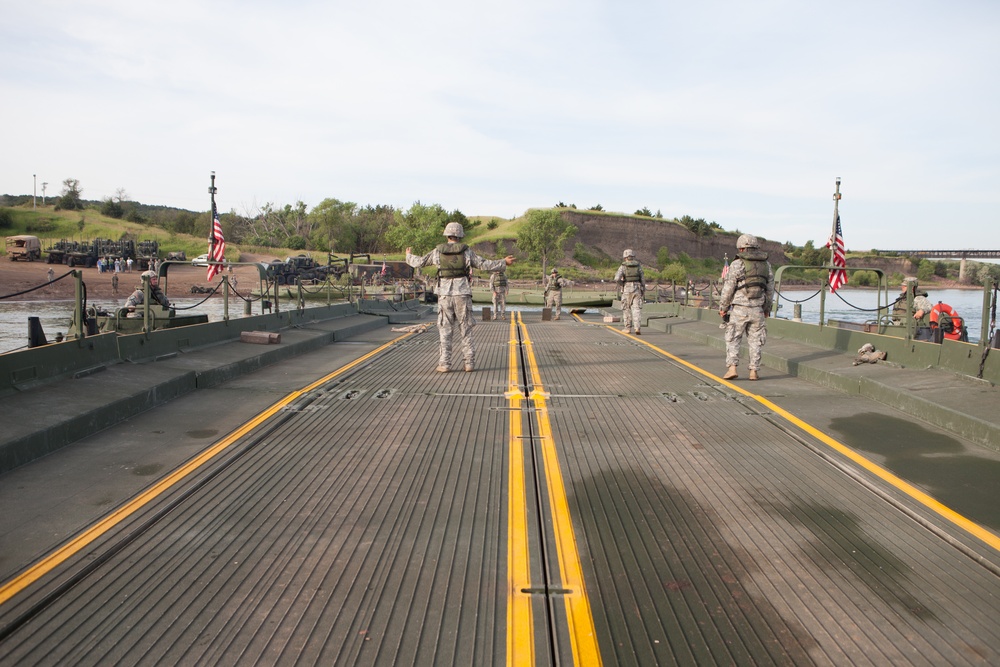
(212, 190)
(836, 214)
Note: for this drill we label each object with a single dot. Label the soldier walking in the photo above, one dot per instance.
(498, 287)
(553, 293)
(745, 304)
(632, 283)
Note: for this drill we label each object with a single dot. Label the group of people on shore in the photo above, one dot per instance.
(116, 265)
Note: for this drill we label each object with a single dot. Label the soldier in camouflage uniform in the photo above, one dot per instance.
(553, 293)
(455, 261)
(632, 283)
(498, 286)
(921, 304)
(747, 294)
(156, 295)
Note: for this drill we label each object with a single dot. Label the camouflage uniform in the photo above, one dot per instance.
(553, 293)
(156, 295)
(748, 303)
(920, 303)
(455, 299)
(632, 281)
(498, 286)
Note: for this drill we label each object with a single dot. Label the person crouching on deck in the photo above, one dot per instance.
(455, 261)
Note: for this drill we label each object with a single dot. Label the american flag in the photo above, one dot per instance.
(725, 266)
(217, 245)
(838, 276)
(383, 267)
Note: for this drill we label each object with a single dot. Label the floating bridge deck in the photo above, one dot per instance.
(583, 497)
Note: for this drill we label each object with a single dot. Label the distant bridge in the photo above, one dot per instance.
(944, 254)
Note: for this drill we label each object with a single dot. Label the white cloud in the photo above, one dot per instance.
(742, 114)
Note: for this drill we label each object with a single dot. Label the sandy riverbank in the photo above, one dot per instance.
(30, 281)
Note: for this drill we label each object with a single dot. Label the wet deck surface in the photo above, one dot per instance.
(582, 497)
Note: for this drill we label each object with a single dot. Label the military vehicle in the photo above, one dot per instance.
(24, 247)
(86, 253)
(304, 269)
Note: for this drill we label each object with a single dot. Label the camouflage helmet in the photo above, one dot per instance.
(747, 241)
(554, 270)
(454, 229)
(153, 278)
(628, 253)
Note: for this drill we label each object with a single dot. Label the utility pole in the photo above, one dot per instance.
(34, 189)
(44, 185)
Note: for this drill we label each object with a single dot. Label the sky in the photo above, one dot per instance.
(741, 113)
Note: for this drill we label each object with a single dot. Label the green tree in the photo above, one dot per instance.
(676, 273)
(662, 257)
(6, 218)
(925, 270)
(864, 279)
(420, 227)
(813, 256)
(645, 211)
(71, 196)
(332, 219)
(112, 208)
(543, 234)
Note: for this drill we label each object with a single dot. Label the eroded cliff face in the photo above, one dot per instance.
(610, 235)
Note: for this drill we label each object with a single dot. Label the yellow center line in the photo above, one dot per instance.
(520, 623)
(927, 501)
(81, 541)
(579, 617)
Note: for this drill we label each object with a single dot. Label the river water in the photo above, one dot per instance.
(55, 316)
(858, 305)
(853, 305)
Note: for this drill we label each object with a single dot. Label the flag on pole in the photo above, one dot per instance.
(217, 246)
(838, 275)
(725, 266)
(383, 267)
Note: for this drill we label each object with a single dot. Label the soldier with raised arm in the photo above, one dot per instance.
(455, 261)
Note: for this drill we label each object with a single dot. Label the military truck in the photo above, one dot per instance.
(304, 269)
(73, 253)
(28, 248)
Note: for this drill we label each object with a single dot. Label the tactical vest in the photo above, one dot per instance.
(754, 280)
(554, 284)
(899, 305)
(452, 258)
(501, 280)
(632, 271)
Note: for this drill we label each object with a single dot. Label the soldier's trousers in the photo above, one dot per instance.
(455, 312)
(555, 303)
(631, 310)
(750, 321)
(500, 303)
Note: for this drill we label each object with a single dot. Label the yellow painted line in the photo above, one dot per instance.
(81, 541)
(520, 623)
(579, 617)
(927, 501)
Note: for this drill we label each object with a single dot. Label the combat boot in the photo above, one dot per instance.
(753, 374)
(730, 374)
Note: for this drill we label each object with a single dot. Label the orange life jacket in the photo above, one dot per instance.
(944, 316)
